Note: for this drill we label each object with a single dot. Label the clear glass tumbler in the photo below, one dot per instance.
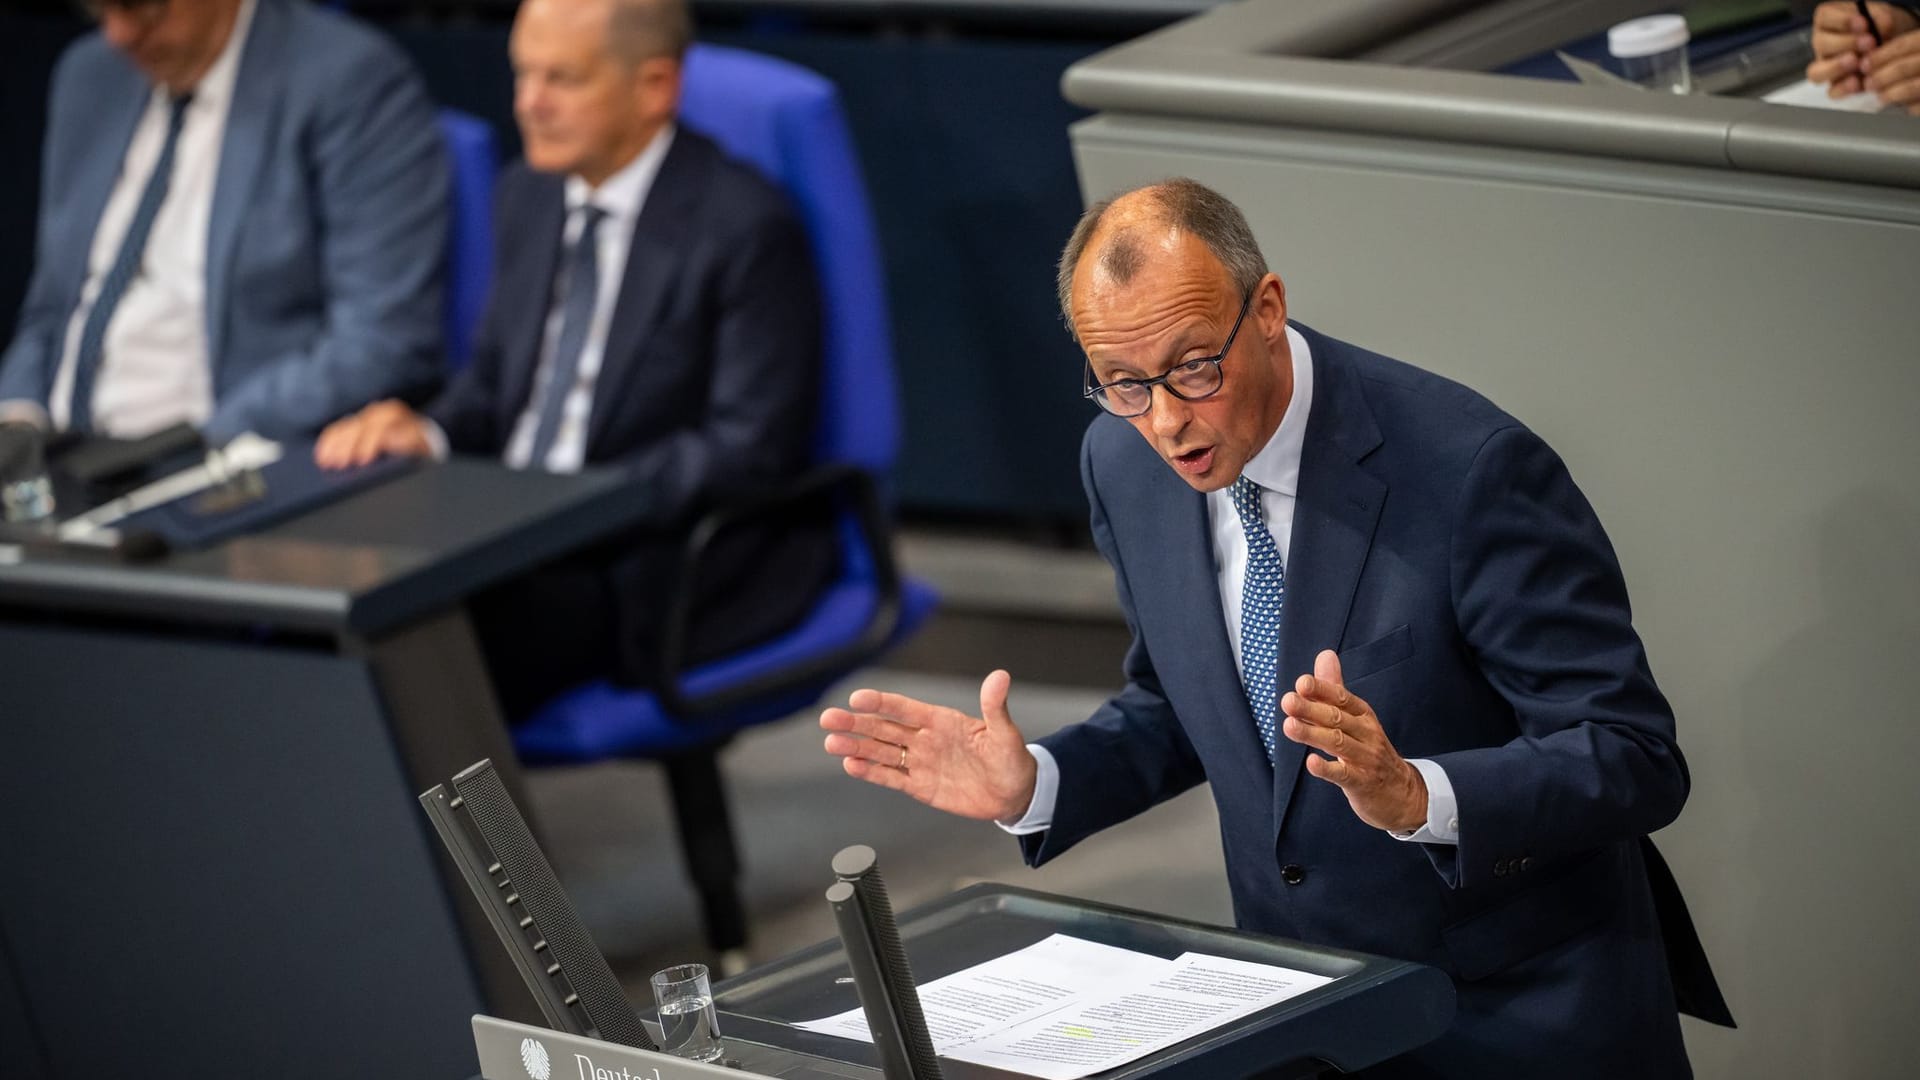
(26, 492)
(688, 1026)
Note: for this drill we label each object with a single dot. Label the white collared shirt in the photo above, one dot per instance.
(620, 197)
(155, 367)
(1276, 468)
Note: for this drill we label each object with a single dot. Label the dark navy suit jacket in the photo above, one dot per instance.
(709, 385)
(1445, 552)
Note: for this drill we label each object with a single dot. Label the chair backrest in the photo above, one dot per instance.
(473, 165)
(787, 121)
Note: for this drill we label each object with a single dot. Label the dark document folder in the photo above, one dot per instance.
(287, 488)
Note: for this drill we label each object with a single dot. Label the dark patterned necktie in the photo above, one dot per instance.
(576, 314)
(93, 333)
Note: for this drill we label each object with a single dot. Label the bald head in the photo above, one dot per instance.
(629, 30)
(1117, 237)
(643, 29)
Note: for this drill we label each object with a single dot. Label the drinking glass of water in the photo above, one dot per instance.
(26, 494)
(688, 1028)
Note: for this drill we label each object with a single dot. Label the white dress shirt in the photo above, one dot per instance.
(1276, 468)
(154, 364)
(620, 197)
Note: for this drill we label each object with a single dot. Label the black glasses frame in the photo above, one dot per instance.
(1096, 391)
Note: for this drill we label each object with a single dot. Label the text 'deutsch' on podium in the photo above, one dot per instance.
(208, 785)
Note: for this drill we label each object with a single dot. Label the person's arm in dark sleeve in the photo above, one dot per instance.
(28, 366)
(1131, 754)
(1542, 604)
(468, 409)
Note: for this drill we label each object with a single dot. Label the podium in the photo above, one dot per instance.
(1375, 1008)
(209, 777)
(1368, 1009)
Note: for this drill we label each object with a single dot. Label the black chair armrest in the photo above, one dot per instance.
(830, 486)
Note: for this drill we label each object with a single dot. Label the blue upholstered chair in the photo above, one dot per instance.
(787, 121)
(472, 167)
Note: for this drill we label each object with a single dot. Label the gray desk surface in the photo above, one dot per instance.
(1244, 63)
(364, 565)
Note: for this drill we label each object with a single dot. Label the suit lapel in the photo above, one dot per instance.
(1335, 512)
(544, 220)
(1177, 587)
(1194, 597)
(252, 118)
(654, 261)
(122, 105)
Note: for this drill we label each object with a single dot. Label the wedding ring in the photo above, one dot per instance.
(903, 760)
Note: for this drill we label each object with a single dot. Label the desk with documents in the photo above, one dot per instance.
(1375, 1009)
(991, 981)
(210, 769)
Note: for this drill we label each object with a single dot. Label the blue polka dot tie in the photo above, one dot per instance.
(1261, 595)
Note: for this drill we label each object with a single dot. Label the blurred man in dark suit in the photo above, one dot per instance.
(655, 311)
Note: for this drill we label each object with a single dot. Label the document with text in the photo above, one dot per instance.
(1065, 1008)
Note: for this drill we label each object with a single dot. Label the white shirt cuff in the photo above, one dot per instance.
(1443, 811)
(437, 447)
(1046, 791)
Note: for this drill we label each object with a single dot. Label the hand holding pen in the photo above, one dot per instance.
(1873, 47)
(1861, 7)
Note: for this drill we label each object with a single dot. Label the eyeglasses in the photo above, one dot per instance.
(144, 12)
(1189, 381)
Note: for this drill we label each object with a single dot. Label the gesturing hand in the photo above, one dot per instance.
(1383, 789)
(973, 766)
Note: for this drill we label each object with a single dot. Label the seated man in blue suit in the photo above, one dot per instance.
(654, 310)
(1336, 563)
(242, 225)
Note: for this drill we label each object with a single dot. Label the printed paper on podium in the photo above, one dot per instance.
(1065, 1008)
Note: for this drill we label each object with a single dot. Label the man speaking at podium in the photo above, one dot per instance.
(1337, 564)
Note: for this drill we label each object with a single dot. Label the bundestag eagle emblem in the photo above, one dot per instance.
(534, 1057)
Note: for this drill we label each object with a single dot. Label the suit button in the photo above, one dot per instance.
(1526, 862)
(1293, 873)
(1500, 868)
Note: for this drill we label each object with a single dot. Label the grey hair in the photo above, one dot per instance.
(643, 29)
(1187, 205)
